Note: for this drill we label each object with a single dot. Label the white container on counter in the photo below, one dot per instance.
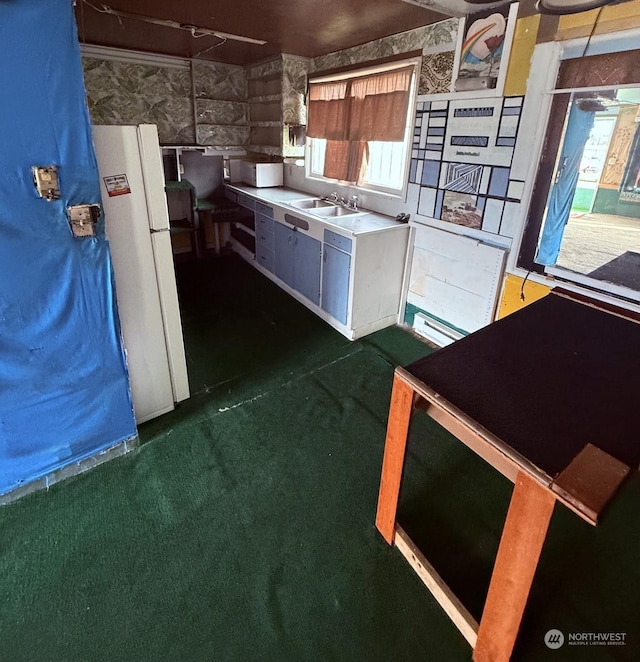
(262, 175)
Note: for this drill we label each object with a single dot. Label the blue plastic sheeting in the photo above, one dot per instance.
(561, 196)
(64, 388)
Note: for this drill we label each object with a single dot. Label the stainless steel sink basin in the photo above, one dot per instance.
(311, 203)
(334, 210)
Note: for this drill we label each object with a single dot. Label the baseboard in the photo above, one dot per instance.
(69, 470)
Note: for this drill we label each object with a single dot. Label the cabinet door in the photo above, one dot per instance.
(335, 283)
(307, 266)
(284, 253)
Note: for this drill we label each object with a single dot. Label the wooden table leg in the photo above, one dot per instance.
(394, 451)
(524, 533)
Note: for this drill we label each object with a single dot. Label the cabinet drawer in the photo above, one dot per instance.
(265, 239)
(263, 223)
(337, 240)
(230, 195)
(264, 257)
(261, 208)
(246, 201)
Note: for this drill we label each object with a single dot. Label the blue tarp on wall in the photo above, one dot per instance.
(64, 390)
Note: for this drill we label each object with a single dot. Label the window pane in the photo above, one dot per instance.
(386, 165)
(318, 149)
(380, 116)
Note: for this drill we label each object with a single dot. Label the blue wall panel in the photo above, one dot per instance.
(64, 390)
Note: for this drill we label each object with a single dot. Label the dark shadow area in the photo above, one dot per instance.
(237, 323)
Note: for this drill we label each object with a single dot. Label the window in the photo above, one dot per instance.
(584, 219)
(359, 126)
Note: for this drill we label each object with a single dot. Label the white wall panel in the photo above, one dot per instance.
(455, 278)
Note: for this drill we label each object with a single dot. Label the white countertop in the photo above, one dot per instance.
(365, 222)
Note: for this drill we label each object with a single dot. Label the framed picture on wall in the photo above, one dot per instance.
(482, 51)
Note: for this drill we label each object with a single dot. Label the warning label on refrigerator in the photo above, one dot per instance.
(117, 185)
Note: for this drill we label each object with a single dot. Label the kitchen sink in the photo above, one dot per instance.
(311, 203)
(334, 210)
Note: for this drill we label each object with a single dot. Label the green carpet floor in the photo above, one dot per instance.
(242, 528)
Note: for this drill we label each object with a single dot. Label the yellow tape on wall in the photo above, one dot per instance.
(524, 42)
(513, 289)
(611, 19)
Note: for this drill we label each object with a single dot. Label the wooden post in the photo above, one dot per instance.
(524, 533)
(394, 451)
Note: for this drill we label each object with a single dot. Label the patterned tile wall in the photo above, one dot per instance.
(461, 159)
(131, 93)
(215, 134)
(294, 88)
(214, 80)
(440, 35)
(126, 93)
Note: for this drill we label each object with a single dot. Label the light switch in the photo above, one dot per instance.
(82, 219)
(45, 179)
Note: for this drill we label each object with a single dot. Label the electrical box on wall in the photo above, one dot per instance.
(82, 219)
(45, 179)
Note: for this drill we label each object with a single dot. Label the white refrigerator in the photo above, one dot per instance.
(137, 227)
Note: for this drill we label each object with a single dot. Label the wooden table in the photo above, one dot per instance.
(548, 396)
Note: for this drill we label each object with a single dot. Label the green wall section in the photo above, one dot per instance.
(582, 199)
(607, 202)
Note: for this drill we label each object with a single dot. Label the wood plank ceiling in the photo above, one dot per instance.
(299, 27)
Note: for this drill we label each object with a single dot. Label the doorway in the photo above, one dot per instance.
(591, 228)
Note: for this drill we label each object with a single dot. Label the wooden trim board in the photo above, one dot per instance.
(445, 597)
(523, 536)
(590, 480)
(400, 410)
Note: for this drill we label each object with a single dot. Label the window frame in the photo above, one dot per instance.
(364, 70)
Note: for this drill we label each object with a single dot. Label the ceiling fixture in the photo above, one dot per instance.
(195, 31)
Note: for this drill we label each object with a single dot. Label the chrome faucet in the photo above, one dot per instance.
(351, 203)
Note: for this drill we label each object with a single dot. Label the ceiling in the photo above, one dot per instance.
(299, 27)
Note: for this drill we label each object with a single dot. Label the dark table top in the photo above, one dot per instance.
(546, 380)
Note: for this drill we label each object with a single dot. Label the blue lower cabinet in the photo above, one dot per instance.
(263, 223)
(283, 253)
(298, 260)
(335, 283)
(265, 242)
(307, 264)
(264, 257)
